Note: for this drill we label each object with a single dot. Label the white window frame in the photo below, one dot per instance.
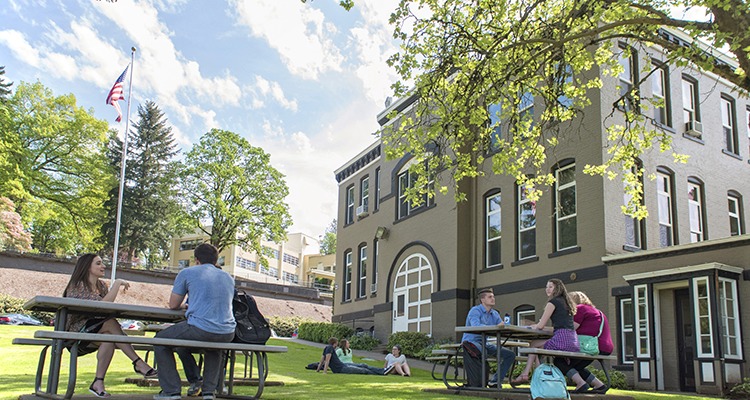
(526, 108)
(494, 112)
(558, 219)
(728, 297)
(703, 303)
(626, 330)
(734, 215)
(641, 321)
(362, 273)
(423, 265)
(376, 206)
(690, 100)
(695, 211)
(350, 205)
(632, 222)
(520, 315)
(405, 181)
(347, 276)
(364, 193)
(376, 248)
(524, 201)
(659, 85)
(664, 194)
(627, 76)
(728, 124)
(494, 241)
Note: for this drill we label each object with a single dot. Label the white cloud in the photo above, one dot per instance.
(21, 48)
(273, 89)
(297, 31)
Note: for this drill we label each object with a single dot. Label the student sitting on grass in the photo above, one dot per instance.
(395, 362)
(331, 360)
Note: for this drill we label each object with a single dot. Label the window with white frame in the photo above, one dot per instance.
(347, 276)
(525, 317)
(728, 125)
(495, 112)
(377, 189)
(695, 208)
(526, 109)
(349, 205)
(627, 334)
(526, 225)
(406, 180)
(665, 207)
(633, 226)
(627, 78)
(704, 329)
(493, 230)
(730, 320)
(362, 289)
(376, 246)
(735, 214)
(660, 93)
(642, 326)
(565, 207)
(690, 110)
(364, 193)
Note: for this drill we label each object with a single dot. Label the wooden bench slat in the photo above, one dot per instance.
(99, 337)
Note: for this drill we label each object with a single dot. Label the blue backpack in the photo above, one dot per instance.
(548, 382)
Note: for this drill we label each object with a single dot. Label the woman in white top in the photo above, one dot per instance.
(395, 363)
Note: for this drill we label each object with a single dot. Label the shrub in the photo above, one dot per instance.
(617, 378)
(285, 326)
(412, 343)
(740, 390)
(363, 342)
(320, 332)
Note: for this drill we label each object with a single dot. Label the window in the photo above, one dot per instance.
(290, 277)
(643, 348)
(493, 230)
(525, 317)
(362, 270)
(703, 316)
(526, 225)
(627, 78)
(695, 207)
(495, 111)
(633, 226)
(374, 287)
(665, 208)
(244, 263)
(730, 320)
(690, 110)
(526, 109)
(376, 207)
(290, 259)
(747, 125)
(412, 295)
(736, 224)
(271, 253)
(190, 244)
(565, 207)
(364, 193)
(406, 180)
(350, 205)
(660, 92)
(183, 263)
(627, 335)
(347, 276)
(220, 261)
(728, 125)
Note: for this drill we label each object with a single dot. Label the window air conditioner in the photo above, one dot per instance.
(361, 211)
(694, 128)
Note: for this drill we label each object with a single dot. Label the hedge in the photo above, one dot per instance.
(320, 332)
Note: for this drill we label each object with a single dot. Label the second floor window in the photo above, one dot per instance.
(728, 125)
(660, 91)
(695, 207)
(565, 207)
(349, 205)
(362, 289)
(735, 215)
(690, 111)
(526, 225)
(406, 180)
(377, 189)
(633, 226)
(364, 193)
(493, 230)
(665, 205)
(495, 111)
(627, 77)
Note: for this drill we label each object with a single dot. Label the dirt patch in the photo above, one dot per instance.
(27, 284)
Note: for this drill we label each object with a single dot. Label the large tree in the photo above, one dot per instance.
(4, 86)
(461, 57)
(233, 193)
(12, 233)
(53, 167)
(151, 212)
(328, 244)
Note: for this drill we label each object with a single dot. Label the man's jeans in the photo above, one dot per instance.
(192, 372)
(507, 358)
(169, 378)
(361, 369)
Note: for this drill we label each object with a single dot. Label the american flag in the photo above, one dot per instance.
(116, 93)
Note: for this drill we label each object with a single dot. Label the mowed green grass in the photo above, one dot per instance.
(18, 367)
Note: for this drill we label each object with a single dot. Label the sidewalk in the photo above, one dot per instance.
(380, 357)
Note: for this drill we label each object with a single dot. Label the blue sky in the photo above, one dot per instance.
(302, 81)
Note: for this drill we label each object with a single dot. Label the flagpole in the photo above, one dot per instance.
(116, 252)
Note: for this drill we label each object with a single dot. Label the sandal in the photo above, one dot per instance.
(151, 373)
(521, 379)
(583, 389)
(103, 394)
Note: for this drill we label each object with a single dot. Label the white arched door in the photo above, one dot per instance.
(412, 307)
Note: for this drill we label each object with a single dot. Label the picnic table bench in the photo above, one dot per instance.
(453, 352)
(260, 352)
(574, 355)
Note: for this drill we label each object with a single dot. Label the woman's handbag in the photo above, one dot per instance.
(590, 344)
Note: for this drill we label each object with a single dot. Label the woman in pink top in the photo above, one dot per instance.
(588, 320)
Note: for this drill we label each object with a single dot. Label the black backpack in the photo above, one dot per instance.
(252, 327)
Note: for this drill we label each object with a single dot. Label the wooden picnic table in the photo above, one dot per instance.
(505, 334)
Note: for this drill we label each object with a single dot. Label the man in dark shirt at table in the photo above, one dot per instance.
(483, 314)
(209, 318)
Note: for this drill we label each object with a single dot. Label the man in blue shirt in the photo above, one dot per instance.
(209, 318)
(483, 314)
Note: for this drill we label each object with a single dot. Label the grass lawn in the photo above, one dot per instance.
(18, 368)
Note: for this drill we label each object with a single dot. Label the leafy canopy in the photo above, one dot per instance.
(459, 57)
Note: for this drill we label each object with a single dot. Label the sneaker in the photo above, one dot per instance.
(388, 369)
(209, 397)
(195, 388)
(164, 396)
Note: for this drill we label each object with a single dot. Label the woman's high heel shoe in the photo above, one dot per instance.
(151, 373)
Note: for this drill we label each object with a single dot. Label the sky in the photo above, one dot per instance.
(302, 81)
